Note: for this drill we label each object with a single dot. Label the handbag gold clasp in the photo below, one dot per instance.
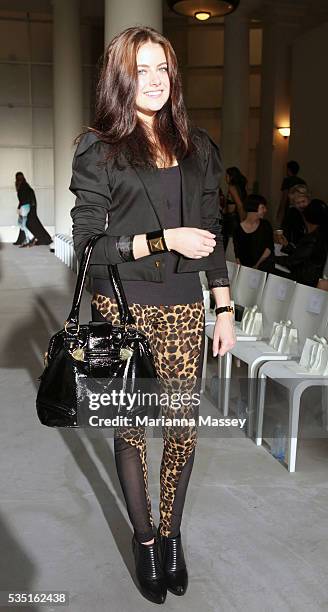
(65, 328)
(125, 353)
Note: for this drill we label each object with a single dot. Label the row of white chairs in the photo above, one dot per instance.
(277, 299)
(64, 250)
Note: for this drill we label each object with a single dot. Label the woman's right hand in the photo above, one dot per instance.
(190, 241)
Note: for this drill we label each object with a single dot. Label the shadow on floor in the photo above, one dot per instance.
(17, 570)
(24, 350)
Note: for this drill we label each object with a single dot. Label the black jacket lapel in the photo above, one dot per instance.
(153, 188)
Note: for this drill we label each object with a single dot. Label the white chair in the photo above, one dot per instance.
(273, 305)
(249, 285)
(233, 269)
(206, 291)
(275, 300)
(305, 311)
(293, 377)
(203, 279)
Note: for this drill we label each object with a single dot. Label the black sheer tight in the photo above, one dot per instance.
(131, 467)
(134, 482)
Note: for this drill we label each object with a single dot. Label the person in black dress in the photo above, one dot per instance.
(253, 237)
(26, 195)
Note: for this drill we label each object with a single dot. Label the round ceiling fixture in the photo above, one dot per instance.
(203, 9)
(202, 15)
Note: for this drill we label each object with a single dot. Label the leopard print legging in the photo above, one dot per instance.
(176, 337)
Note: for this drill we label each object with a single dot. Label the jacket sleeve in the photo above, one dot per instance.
(211, 212)
(90, 214)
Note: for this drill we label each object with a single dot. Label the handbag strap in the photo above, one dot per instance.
(126, 317)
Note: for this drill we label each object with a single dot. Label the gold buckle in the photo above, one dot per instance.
(65, 327)
(156, 245)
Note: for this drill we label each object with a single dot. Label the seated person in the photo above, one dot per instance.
(307, 259)
(253, 237)
(291, 179)
(294, 227)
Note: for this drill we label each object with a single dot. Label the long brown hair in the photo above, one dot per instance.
(116, 121)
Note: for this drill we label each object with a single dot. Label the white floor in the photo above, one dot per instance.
(255, 536)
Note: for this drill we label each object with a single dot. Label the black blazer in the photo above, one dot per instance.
(130, 201)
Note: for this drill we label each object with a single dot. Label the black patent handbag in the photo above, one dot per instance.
(98, 358)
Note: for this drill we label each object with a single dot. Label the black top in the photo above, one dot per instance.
(250, 246)
(293, 226)
(182, 288)
(308, 258)
(26, 195)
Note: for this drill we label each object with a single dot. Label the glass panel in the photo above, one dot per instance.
(205, 49)
(204, 88)
(16, 126)
(43, 126)
(42, 85)
(14, 41)
(43, 167)
(41, 42)
(14, 79)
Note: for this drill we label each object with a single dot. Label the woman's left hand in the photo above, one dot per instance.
(224, 337)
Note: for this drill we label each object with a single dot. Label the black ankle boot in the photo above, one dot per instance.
(149, 571)
(173, 563)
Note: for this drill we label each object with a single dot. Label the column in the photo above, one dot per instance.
(235, 110)
(121, 14)
(279, 32)
(68, 104)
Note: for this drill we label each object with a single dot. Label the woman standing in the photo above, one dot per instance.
(154, 180)
(234, 212)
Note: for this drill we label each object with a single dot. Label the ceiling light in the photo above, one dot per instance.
(202, 16)
(203, 9)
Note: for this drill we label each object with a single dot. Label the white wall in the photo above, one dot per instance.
(26, 109)
(25, 116)
(309, 123)
(26, 98)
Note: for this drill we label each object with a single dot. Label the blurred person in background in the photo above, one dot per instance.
(32, 232)
(290, 180)
(233, 211)
(307, 259)
(294, 226)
